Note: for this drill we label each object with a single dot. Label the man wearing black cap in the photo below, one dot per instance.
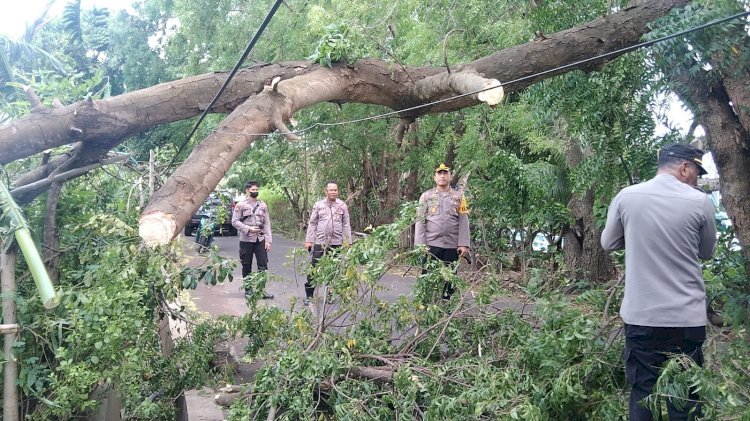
(253, 224)
(666, 225)
(443, 222)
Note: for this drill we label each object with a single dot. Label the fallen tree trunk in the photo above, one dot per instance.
(255, 110)
(373, 82)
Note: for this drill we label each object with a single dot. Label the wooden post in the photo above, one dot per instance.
(10, 370)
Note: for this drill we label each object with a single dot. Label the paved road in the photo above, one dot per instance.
(284, 283)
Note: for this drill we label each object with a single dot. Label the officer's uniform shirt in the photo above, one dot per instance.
(665, 227)
(246, 215)
(329, 223)
(442, 220)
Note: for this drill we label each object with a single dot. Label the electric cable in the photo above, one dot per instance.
(520, 79)
(242, 59)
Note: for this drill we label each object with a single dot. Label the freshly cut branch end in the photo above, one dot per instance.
(464, 82)
(157, 228)
(492, 96)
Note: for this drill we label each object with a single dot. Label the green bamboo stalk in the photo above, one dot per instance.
(15, 223)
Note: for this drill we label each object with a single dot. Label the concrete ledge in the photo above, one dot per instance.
(201, 406)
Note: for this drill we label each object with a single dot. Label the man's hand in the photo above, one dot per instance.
(308, 246)
(463, 251)
(268, 246)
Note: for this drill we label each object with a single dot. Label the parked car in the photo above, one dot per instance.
(211, 206)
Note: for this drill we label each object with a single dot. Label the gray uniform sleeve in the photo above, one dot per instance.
(707, 232)
(267, 226)
(236, 214)
(312, 225)
(613, 236)
(419, 225)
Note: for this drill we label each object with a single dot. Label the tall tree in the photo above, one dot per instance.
(709, 71)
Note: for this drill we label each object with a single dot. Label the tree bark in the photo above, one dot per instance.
(51, 242)
(584, 256)
(255, 110)
(116, 118)
(412, 175)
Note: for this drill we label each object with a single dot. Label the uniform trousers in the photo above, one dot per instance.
(318, 251)
(646, 350)
(248, 249)
(448, 257)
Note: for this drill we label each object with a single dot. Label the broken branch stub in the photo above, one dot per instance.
(460, 83)
(492, 96)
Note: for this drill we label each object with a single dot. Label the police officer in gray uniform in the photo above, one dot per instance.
(327, 229)
(443, 222)
(253, 224)
(666, 225)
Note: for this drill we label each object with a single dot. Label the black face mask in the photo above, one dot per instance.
(253, 194)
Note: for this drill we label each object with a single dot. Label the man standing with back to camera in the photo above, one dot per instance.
(666, 225)
(253, 224)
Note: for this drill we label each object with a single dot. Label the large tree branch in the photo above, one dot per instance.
(132, 113)
(371, 81)
(303, 84)
(34, 189)
(170, 207)
(83, 157)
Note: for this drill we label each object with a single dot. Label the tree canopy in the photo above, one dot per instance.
(110, 97)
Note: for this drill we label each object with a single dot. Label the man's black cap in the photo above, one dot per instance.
(686, 152)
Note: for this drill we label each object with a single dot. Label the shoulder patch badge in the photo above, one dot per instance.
(464, 207)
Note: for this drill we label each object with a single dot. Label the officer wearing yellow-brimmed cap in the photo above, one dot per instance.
(442, 167)
(443, 221)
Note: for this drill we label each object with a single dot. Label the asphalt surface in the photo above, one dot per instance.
(286, 278)
(286, 282)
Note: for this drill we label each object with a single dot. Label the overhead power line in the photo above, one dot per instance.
(510, 82)
(242, 59)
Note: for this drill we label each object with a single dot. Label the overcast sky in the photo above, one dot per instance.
(18, 14)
